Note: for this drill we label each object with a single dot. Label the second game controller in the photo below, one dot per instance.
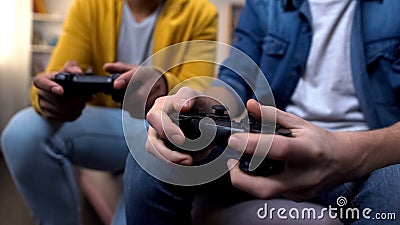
(219, 125)
(77, 84)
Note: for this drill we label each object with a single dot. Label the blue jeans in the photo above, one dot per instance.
(40, 155)
(379, 191)
(150, 201)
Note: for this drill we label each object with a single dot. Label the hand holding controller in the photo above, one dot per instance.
(76, 84)
(194, 123)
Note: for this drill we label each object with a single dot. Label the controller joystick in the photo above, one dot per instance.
(219, 110)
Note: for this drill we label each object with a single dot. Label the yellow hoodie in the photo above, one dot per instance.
(90, 37)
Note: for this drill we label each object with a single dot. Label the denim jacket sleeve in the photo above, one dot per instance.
(248, 38)
(394, 75)
(381, 41)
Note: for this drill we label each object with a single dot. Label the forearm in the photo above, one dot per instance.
(371, 150)
(384, 146)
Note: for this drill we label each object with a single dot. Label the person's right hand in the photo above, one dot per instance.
(54, 107)
(162, 127)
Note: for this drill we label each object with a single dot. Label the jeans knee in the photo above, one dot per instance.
(381, 190)
(20, 140)
(387, 178)
(134, 177)
(139, 186)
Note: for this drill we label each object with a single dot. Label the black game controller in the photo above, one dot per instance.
(77, 84)
(220, 124)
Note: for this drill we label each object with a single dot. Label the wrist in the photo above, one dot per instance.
(350, 155)
(383, 147)
(361, 152)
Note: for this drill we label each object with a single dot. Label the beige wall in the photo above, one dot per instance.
(224, 10)
(15, 29)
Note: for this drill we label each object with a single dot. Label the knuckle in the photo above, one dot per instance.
(284, 150)
(36, 81)
(160, 101)
(317, 152)
(148, 146)
(184, 89)
(71, 62)
(151, 116)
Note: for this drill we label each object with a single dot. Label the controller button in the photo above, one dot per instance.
(219, 110)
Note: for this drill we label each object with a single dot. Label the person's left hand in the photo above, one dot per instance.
(144, 85)
(316, 159)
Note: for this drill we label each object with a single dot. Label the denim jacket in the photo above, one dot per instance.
(277, 35)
